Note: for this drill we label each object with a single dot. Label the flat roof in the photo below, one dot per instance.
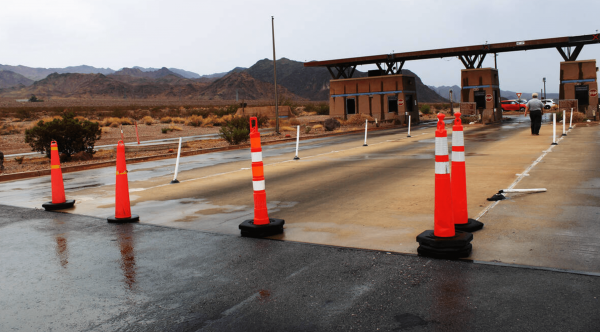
(462, 51)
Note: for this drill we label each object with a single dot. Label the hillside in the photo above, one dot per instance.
(248, 88)
(10, 79)
(313, 83)
(37, 74)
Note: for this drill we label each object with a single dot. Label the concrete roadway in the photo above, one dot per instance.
(68, 272)
(377, 197)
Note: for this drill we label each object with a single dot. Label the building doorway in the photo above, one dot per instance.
(350, 106)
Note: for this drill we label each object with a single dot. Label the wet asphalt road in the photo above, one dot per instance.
(67, 272)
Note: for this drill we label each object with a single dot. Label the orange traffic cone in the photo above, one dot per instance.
(261, 225)
(443, 241)
(122, 205)
(462, 221)
(58, 188)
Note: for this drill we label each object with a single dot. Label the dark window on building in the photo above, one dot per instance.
(479, 99)
(350, 106)
(392, 104)
(409, 103)
(582, 95)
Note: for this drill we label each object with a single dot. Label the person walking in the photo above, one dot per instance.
(534, 107)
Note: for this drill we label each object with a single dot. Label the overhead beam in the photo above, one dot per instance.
(471, 51)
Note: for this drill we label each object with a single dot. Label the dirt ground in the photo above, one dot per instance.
(15, 143)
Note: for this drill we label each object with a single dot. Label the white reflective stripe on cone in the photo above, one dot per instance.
(256, 157)
(441, 146)
(442, 168)
(458, 138)
(258, 185)
(458, 156)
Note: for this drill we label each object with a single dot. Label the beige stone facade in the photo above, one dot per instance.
(387, 97)
(482, 87)
(578, 80)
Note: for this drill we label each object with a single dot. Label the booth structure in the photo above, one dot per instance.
(578, 81)
(482, 87)
(389, 97)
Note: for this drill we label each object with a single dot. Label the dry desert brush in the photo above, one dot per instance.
(71, 135)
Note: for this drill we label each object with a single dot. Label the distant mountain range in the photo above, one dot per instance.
(295, 82)
(444, 91)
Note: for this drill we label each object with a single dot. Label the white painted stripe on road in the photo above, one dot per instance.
(258, 185)
(256, 156)
(521, 177)
(458, 156)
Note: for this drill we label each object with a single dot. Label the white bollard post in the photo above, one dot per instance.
(177, 163)
(408, 126)
(564, 123)
(571, 122)
(366, 123)
(297, 143)
(554, 129)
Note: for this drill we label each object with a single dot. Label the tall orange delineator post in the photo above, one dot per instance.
(462, 222)
(58, 188)
(261, 225)
(122, 204)
(443, 241)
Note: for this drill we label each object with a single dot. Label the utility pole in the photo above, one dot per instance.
(544, 88)
(275, 74)
(451, 100)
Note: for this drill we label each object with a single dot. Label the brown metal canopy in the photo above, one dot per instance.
(471, 56)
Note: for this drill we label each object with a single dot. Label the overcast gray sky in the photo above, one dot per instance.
(215, 36)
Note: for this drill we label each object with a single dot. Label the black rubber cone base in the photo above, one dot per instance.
(175, 181)
(296, 158)
(458, 246)
(554, 144)
(49, 206)
(133, 218)
(249, 229)
(445, 253)
(472, 225)
(497, 197)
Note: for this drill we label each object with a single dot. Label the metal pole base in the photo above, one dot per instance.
(554, 144)
(296, 158)
(175, 181)
(408, 136)
(133, 218)
(49, 206)
(564, 134)
(365, 145)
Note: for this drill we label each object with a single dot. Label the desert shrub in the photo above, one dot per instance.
(178, 120)
(115, 125)
(115, 122)
(23, 114)
(307, 129)
(147, 120)
(295, 122)
(320, 109)
(70, 134)
(227, 110)
(318, 126)
(19, 160)
(9, 129)
(466, 119)
(165, 130)
(425, 109)
(358, 119)
(118, 113)
(287, 128)
(437, 107)
(194, 121)
(236, 130)
(166, 119)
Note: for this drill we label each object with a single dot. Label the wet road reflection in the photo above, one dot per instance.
(126, 243)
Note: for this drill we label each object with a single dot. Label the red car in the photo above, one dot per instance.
(512, 105)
